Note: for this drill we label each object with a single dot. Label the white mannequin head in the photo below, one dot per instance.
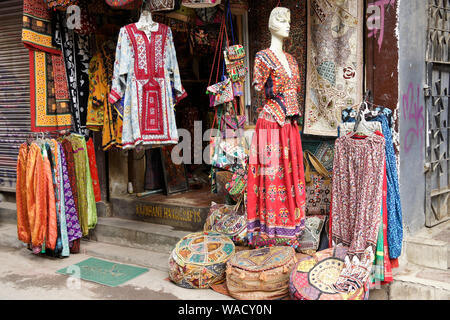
(280, 22)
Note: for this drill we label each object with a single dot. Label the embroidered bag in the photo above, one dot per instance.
(125, 4)
(260, 274)
(238, 184)
(199, 260)
(226, 220)
(60, 4)
(234, 55)
(222, 92)
(200, 3)
(310, 239)
(226, 153)
(318, 186)
(161, 5)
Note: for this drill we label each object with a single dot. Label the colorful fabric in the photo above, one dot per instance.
(280, 89)
(146, 75)
(93, 170)
(99, 113)
(394, 206)
(31, 224)
(76, 55)
(62, 206)
(87, 209)
(70, 162)
(60, 4)
(49, 95)
(23, 226)
(199, 260)
(313, 278)
(72, 223)
(334, 75)
(357, 200)
(52, 221)
(276, 183)
(260, 274)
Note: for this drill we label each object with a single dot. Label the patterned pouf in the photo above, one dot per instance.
(199, 260)
(261, 274)
(313, 277)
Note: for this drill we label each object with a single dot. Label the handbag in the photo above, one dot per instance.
(200, 3)
(318, 186)
(220, 92)
(161, 5)
(234, 55)
(226, 220)
(238, 184)
(226, 153)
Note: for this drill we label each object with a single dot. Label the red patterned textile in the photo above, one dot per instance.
(94, 171)
(276, 182)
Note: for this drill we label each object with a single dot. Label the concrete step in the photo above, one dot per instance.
(8, 212)
(430, 247)
(414, 282)
(137, 234)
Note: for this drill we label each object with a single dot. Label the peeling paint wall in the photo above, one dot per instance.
(412, 28)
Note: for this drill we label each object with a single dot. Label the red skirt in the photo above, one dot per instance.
(276, 182)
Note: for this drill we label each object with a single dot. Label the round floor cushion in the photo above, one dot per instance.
(313, 277)
(260, 274)
(199, 260)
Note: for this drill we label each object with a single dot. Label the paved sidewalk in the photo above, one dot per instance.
(26, 276)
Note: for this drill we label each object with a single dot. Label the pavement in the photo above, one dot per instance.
(25, 276)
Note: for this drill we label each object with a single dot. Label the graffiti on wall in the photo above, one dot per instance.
(376, 18)
(413, 112)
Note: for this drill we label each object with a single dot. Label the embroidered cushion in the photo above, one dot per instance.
(124, 4)
(260, 274)
(199, 260)
(200, 3)
(313, 277)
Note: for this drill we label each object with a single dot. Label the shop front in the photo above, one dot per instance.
(122, 98)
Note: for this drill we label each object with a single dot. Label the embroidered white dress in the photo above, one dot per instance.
(147, 80)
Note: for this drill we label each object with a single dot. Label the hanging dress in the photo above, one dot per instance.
(146, 76)
(358, 172)
(276, 183)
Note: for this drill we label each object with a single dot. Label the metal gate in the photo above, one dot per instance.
(14, 91)
(437, 113)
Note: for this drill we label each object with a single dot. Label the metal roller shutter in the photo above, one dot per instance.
(14, 91)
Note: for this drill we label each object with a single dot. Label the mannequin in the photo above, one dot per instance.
(279, 26)
(146, 22)
(276, 196)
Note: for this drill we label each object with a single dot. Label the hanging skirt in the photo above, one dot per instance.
(276, 182)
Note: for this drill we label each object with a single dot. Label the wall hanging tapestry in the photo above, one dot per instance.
(49, 95)
(199, 260)
(334, 63)
(77, 57)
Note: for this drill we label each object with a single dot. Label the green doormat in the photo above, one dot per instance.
(103, 272)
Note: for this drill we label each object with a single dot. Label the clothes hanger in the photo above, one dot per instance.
(363, 127)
